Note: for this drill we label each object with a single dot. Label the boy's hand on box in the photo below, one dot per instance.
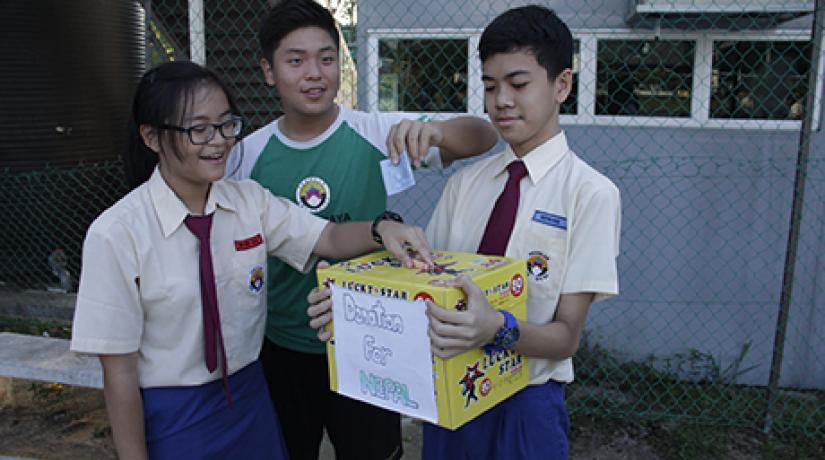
(414, 137)
(320, 308)
(320, 311)
(405, 240)
(452, 331)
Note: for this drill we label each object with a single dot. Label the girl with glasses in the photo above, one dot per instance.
(172, 295)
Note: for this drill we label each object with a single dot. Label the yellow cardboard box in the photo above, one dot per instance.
(474, 381)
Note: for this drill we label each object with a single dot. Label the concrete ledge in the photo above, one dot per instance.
(47, 359)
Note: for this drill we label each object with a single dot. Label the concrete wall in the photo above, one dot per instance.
(705, 222)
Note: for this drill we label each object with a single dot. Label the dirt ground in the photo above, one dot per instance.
(47, 421)
(50, 421)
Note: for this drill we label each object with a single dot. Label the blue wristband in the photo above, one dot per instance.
(507, 336)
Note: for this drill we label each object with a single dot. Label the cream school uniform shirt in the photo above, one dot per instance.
(567, 229)
(140, 286)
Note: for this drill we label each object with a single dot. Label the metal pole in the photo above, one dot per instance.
(197, 32)
(796, 216)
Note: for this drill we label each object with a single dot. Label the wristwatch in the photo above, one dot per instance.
(386, 215)
(507, 336)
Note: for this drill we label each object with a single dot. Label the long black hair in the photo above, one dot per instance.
(162, 97)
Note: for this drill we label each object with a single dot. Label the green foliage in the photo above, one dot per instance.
(48, 393)
(688, 440)
(705, 367)
(159, 47)
(34, 327)
(686, 388)
(794, 446)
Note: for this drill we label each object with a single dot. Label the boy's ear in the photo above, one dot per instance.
(563, 85)
(149, 134)
(269, 73)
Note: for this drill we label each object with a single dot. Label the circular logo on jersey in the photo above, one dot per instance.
(256, 279)
(423, 296)
(517, 285)
(313, 194)
(486, 386)
(538, 265)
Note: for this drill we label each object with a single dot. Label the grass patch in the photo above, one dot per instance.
(691, 391)
(794, 446)
(684, 440)
(48, 393)
(34, 327)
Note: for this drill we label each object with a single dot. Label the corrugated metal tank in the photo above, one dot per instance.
(67, 73)
(68, 70)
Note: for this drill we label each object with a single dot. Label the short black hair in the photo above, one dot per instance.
(286, 16)
(532, 28)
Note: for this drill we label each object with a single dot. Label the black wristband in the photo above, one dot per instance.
(386, 215)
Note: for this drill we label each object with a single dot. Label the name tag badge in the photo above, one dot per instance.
(249, 243)
(552, 220)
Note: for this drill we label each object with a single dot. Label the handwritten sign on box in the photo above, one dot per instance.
(382, 353)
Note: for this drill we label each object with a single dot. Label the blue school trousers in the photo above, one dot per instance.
(531, 424)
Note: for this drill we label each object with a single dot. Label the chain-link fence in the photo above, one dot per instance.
(46, 214)
(698, 110)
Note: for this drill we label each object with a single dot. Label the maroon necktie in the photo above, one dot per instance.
(497, 233)
(201, 226)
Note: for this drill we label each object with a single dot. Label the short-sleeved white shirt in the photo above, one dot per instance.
(140, 286)
(567, 227)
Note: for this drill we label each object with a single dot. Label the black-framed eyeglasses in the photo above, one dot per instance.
(204, 133)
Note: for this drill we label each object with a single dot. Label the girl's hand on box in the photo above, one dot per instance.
(406, 242)
(320, 308)
(452, 331)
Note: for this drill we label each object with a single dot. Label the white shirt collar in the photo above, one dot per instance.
(171, 211)
(539, 160)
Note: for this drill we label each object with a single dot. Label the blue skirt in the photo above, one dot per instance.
(196, 422)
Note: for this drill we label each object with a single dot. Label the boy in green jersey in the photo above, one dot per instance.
(326, 158)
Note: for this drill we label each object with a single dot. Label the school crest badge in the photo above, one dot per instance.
(256, 279)
(313, 194)
(538, 266)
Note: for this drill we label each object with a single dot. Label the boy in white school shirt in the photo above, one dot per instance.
(541, 203)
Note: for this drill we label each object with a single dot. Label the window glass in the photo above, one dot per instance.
(644, 77)
(759, 79)
(422, 75)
